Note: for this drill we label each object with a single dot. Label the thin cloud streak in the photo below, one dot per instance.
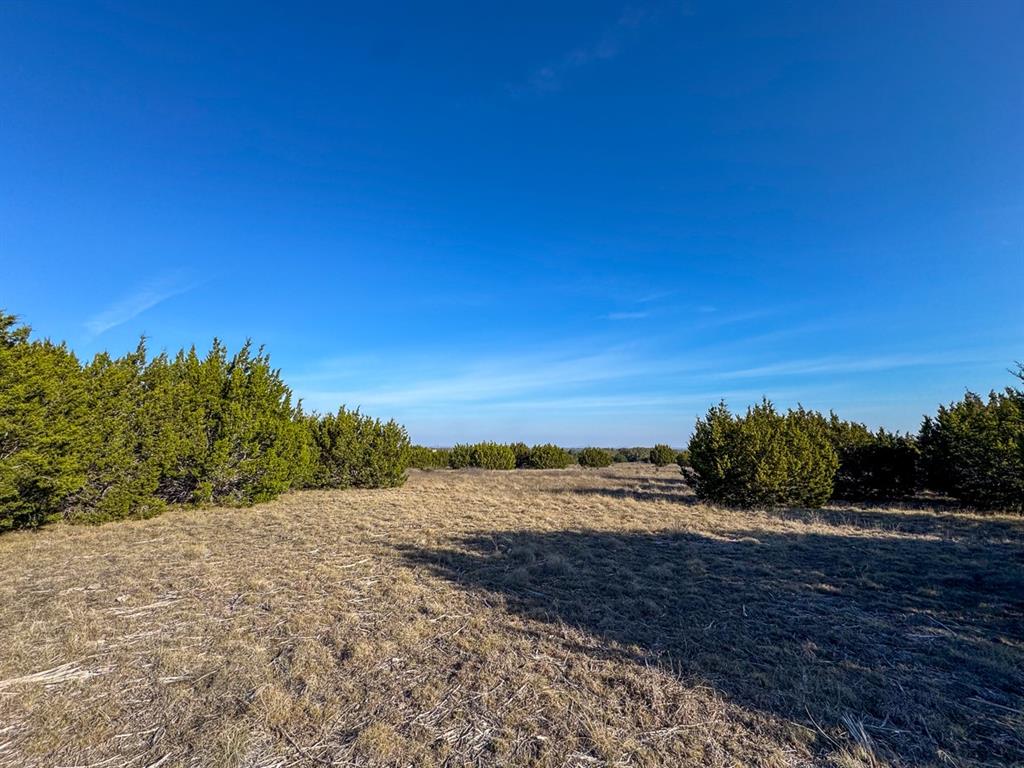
(550, 78)
(490, 380)
(846, 365)
(627, 315)
(130, 307)
(567, 382)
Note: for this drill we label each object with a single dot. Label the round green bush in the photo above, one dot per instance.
(662, 455)
(549, 456)
(493, 456)
(594, 457)
(764, 458)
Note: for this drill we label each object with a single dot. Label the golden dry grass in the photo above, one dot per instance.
(564, 618)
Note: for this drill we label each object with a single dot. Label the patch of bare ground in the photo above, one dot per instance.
(563, 618)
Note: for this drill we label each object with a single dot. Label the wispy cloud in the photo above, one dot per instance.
(488, 380)
(627, 315)
(649, 298)
(551, 76)
(836, 365)
(643, 384)
(444, 381)
(133, 305)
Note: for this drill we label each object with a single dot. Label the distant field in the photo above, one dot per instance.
(570, 617)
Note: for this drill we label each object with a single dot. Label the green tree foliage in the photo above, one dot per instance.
(522, 452)
(974, 449)
(351, 449)
(662, 455)
(594, 457)
(234, 436)
(422, 457)
(493, 456)
(40, 406)
(460, 456)
(683, 459)
(118, 447)
(873, 466)
(631, 455)
(763, 458)
(123, 437)
(549, 456)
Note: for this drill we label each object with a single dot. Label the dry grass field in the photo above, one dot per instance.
(563, 618)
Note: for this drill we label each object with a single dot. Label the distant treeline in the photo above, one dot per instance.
(490, 455)
(124, 437)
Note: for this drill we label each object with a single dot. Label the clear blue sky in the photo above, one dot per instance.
(573, 222)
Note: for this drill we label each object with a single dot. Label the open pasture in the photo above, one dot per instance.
(551, 618)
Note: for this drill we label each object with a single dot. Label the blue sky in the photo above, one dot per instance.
(543, 221)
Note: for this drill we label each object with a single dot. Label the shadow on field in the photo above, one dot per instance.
(920, 640)
(671, 489)
(906, 519)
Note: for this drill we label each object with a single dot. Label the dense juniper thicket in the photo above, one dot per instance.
(972, 450)
(763, 458)
(124, 437)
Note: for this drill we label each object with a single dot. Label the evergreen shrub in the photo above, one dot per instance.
(549, 456)
(974, 449)
(763, 458)
(594, 457)
(422, 457)
(873, 466)
(632, 455)
(460, 456)
(353, 450)
(493, 456)
(123, 437)
(522, 452)
(662, 455)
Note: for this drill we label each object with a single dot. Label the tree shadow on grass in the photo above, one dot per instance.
(921, 640)
(671, 489)
(910, 518)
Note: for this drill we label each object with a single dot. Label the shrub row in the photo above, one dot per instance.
(124, 437)
(422, 457)
(631, 455)
(501, 456)
(972, 450)
(489, 455)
